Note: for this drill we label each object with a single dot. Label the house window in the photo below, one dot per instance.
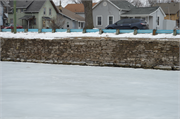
(21, 10)
(34, 21)
(82, 25)
(11, 21)
(49, 11)
(158, 20)
(68, 24)
(44, 11)
(99, 20)
(79, 24)
(110, 20)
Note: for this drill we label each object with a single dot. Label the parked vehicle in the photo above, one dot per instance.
(11, 26)
(6, 25)
(129, 24)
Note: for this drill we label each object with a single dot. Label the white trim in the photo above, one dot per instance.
(97, 20)
(108, 19)
(135, 15)
(160, 10)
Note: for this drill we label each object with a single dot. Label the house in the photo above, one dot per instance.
(172, 11)
(72, 20)
(3, 12)
(107, 12)
(77, 8)
(154, 16)
(33, 14)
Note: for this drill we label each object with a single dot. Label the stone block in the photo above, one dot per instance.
(163, 67)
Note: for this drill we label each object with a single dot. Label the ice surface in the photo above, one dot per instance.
(49, 91)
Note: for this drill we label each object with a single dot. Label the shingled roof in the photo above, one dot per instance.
(71, 15)
(31, 5)
(35, 6)
(77, 8)
(21, 4)
(141, 10)
(169, 8)
(119, 4)
(123, 4)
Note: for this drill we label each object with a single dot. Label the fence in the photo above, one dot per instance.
(116, 31)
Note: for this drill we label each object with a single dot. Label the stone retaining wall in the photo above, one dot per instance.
(122, 52)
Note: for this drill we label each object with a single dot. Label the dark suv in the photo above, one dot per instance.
(129, 24)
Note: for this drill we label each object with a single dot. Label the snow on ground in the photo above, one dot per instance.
(49, 91)
(49, 35)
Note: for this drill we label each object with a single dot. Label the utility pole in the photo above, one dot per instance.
(15, 16)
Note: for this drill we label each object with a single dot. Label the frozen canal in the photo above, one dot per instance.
(47, 91)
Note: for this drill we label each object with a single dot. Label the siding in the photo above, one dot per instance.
(105, 11)
(47, 5)
(1, 14)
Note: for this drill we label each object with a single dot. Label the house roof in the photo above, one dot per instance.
(122, 4)
(4, 3)
(27, 17)
(119, 4)
(71, 15)
(169, 8)
(35, 6)
(77, 8)
(141, 11)
(31, 5)
(21, 4)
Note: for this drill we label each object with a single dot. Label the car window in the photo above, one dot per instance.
(127, 21)
(120, 22)
(135, 20)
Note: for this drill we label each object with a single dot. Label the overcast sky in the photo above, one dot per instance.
(65, 2)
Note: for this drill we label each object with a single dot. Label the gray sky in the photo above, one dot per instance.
(65, 2)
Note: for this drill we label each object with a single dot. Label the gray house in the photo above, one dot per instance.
(109, 11)
(71, 19)
(3, 12)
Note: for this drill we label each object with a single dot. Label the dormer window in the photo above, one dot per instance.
(44, 12)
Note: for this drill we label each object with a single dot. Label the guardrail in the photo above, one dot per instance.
(117, 31)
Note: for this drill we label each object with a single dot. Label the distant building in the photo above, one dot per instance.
(33, 13)
(172, 11)
(4, 12)
(107, 12)
(77, 8)
(72, 20)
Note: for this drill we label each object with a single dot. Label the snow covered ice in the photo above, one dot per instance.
(49, 91)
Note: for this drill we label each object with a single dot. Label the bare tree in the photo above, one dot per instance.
(152, 2)
(137, 3)
(76, 1)
(88, 14)
(87, 11)
(57, 22)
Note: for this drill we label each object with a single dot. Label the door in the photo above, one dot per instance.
(127, 24)
(119, 24)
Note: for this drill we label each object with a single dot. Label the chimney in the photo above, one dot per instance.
(60, 7)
